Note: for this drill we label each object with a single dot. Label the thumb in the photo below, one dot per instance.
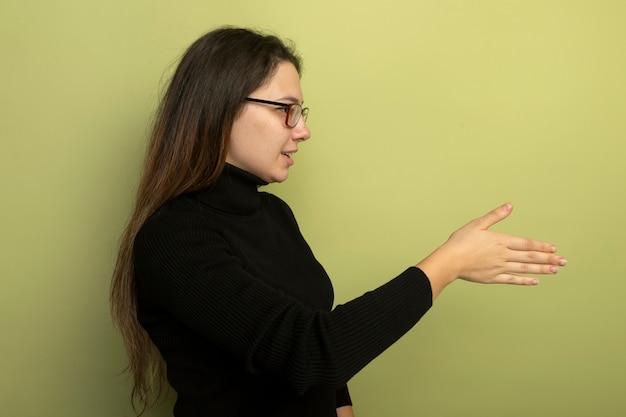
(494, 216)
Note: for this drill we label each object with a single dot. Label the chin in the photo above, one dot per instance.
(281, 177)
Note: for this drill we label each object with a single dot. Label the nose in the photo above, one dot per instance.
(301, 131)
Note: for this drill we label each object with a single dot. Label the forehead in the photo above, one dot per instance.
(284, 83)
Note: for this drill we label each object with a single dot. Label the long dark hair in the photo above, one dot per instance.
(187, 152)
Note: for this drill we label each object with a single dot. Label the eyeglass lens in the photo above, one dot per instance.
(294, 113)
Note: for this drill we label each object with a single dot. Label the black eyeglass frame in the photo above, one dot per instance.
(304, 111)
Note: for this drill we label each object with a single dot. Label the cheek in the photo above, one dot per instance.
(243, 132)
(252, 141)
(257, 137)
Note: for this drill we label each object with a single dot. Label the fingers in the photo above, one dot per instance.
(533, 263)
(536, 257)
(515, 280)
(533, 269)
(525, 244)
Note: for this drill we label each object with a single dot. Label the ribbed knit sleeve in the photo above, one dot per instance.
(343, 397)
(193, 272)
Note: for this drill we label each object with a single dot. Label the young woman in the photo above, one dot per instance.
(214, 283)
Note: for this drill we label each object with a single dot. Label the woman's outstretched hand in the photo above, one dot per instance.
(475, 253)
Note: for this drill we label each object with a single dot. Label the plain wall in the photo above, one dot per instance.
(425, 114)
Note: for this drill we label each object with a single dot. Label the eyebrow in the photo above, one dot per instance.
(291, 99)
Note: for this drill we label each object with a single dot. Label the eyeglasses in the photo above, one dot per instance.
(293, 110)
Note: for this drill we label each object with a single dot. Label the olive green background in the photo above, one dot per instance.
(424, 114)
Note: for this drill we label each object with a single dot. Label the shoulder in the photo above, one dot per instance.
(177, 221)
(183, 210)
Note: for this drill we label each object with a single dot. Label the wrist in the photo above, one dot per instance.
(440, 269)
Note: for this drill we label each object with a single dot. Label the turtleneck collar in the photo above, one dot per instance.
(235, 191)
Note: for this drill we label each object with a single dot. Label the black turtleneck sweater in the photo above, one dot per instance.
(240, 309)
